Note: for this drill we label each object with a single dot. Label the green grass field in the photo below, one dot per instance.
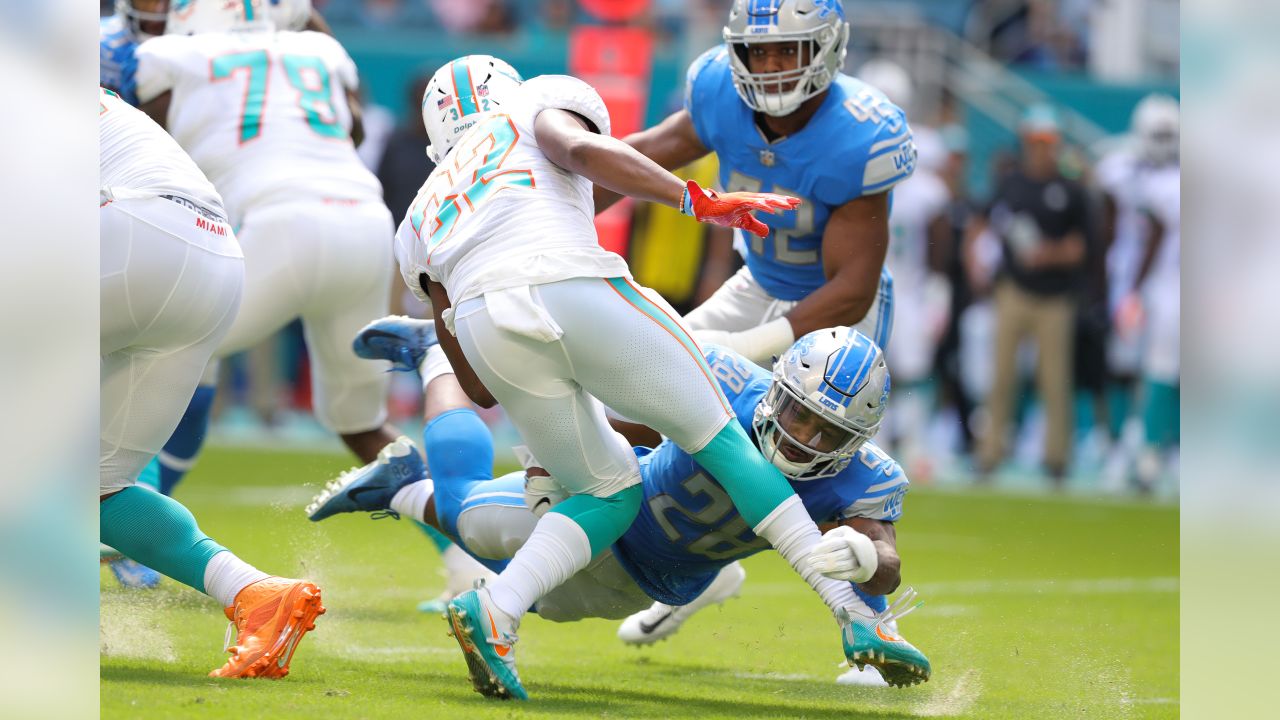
(1035, 607)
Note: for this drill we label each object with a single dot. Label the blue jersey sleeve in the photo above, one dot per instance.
(703, 92)
(881, 152)
(117, 59)
(744, 382)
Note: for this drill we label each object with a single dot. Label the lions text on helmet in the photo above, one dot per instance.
(828, 396)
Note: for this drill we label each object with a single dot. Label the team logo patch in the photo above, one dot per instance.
(482, 91)
(767, 158)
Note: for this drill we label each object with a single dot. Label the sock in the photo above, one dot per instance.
(411, 502)
(793, 534)
(434, 364)
(158, 532)
(1160, 412)
(226, 575)
(150, 475)
(557, 549)
(462, 570)
(753, 483)
(179, 454)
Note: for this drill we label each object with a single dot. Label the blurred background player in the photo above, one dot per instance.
(772, 104)
(119, 34)
(171, 280)
(684, 547)
(546, 322)
(271, 117)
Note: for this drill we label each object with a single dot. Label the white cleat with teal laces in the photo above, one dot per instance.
(401, 340)
(370, 488)
(871, 641)
(487, 637)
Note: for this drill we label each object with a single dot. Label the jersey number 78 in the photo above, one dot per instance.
(306, 73)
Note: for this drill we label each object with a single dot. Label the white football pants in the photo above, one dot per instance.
(551, 353)
(170, 283)
(331, 265)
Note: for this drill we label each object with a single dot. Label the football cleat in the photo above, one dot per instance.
(661, 621)
(269, 618)
(401, 340)
(370, 488)
(487, 638)
(133, 574)
(872, 641)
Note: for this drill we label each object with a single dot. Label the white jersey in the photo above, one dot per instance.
(1121, 175)
(1161, 196)
(916, 202)
(138, 159)
(497, 214)
(263, 113)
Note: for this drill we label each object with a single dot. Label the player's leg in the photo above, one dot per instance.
(1054, 328)
(1009, 327)
(1161, 393)
(166, 303)
(629, 349)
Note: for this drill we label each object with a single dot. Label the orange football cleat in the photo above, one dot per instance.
(270, 617)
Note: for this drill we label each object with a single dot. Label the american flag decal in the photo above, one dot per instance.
(444, 102)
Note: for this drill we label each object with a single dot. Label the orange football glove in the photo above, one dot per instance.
(733, 209)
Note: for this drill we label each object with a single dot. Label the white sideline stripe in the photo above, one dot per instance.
(1100, 586)
(784, 677)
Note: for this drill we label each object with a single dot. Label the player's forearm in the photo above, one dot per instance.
(671, 144)
(616, 167)
(838, 302)
(888, 573)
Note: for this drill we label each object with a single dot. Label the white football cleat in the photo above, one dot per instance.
(868, 676)
(661, 621)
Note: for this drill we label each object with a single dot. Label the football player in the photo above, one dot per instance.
(772, 104)
(271, 118)
(813, 418)
(170, 282)
(119, 34)
(534, 314)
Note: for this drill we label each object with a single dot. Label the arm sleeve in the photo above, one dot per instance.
(157, 68)
(891, 155)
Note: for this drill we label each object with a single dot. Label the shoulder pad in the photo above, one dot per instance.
(565, 92)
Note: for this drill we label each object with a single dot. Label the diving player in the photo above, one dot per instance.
(170, 282)
(774, 107)
(688, 530)
(538, 317)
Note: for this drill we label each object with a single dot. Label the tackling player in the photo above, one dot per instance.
(543, 320)
(688, 531)
(171, 280)
(772, 104)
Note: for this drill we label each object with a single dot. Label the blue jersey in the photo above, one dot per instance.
(688, 528)
(117, 58)
(857, 143)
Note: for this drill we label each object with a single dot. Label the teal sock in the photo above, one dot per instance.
(442, 542)
(602, 519)
(158, 532)
(753, 483)
(150, 475)
(1161, 414)
(1119, 405)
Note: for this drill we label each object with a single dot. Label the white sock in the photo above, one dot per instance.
(791, 532)
(434, 364)
(556, 550)
(411, 500)
(463, 570)
(226, 575)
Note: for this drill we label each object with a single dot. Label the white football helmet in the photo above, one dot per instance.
(189, 17)
(820, 32)
(290, 15)
(1156, 127)
(461, 94)
(889, 78)
(828, 396)
(133, 17)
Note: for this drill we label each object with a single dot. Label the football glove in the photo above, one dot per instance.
(733, 209)
(845, 554)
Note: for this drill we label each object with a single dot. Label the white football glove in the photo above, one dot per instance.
(845, 554)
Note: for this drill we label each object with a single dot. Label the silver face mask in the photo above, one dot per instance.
(818, 29)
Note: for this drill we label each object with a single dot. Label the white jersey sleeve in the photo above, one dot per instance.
(565, 92)
(138, 158)
(264, 114)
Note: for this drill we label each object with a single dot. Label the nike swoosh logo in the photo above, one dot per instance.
(373, 333)
(885, 637)
(357, 492)
(502, 650)
(648, 628)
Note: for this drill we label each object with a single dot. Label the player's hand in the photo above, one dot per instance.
(733, 209)
(845, 554)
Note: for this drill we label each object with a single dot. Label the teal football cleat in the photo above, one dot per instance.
(404, 341)
(487, 638)
(870, 641)
(370, 488)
